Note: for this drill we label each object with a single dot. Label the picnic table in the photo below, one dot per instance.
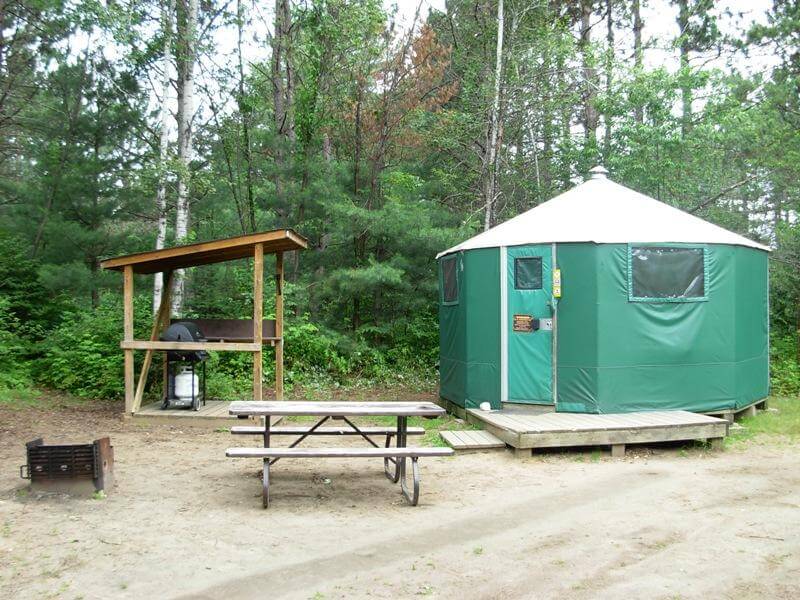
(340, 411)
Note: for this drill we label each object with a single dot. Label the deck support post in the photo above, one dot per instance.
(279, 325)
(127, 299)
(258, 320)
(750, 411)
(617, 450)
(716, 443)
(160, 321)
(520, 453)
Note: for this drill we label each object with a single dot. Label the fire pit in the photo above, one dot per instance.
(70, 468)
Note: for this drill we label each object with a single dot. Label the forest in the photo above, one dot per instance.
(383, 134)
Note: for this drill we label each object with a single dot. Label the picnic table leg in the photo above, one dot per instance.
(265, 488)
(402, 431)
(394, 476)
(402, 441)
(413, 499)
(267, 424)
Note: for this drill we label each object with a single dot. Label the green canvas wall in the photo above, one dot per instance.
(615, 355)
(469, 333)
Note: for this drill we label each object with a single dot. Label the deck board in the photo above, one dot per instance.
(471, 440)
(213, 412)
(572, 429)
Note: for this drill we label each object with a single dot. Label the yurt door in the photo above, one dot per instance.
(529, 325)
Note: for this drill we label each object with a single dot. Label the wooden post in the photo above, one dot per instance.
(258, 319)
(127, 295)
(279, 326)
(160, 321)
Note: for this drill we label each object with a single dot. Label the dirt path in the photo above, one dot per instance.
(185, 521)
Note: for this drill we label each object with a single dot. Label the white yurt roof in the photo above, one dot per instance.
(603, 212)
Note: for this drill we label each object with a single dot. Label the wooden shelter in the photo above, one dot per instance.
(205, 253)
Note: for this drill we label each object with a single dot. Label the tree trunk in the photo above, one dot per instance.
(607, 119)
(565, 120)
(244, 115)
(187, 55)
(590, 116)
(638, 54)
(168, 10)
(686, 88)
(282, 91)
(95, 219)
(327, 148)
(355, 321)
(490, 178)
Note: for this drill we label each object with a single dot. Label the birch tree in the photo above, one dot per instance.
(490, 177)
(167, 15)
(186, 58)
(637, 52)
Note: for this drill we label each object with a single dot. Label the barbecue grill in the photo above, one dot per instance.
(184, 387)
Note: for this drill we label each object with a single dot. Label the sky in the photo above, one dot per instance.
(659, 26)
(660, 29)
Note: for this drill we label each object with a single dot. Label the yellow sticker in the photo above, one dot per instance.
(556, 283)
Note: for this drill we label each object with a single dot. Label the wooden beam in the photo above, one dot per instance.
(127, 299)
(204, 253)
(279, 326)
(221, 346)
(160, 321)
(258, 316)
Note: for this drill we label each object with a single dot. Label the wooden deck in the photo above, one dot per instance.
(475, 439)
(746, 411)
(525, 432)
(214, 414)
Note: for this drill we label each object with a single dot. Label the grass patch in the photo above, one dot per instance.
(784, 422)
(22, 398)
(19, 398)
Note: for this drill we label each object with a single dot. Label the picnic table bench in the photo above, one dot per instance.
(343, 411)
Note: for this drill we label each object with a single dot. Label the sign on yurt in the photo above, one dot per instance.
(604, 300)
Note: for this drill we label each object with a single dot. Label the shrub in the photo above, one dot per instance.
(14, 366)
(784, 367)
(82, 355)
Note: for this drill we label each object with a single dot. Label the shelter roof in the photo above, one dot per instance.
(601, 211)
(206, 253)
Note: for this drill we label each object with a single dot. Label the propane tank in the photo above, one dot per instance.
(185, 383)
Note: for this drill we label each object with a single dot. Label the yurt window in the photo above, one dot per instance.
(528, 273)
(449, 280)
(666, 274)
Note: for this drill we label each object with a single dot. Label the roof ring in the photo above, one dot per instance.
(598, 172)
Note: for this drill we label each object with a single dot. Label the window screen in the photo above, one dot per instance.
(528, 273)
(449, 280)
(658, 273)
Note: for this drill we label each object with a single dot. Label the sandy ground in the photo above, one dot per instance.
(186, 522)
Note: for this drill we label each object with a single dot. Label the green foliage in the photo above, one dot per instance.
(784, 366)
(14, 368)
(782, 419)
(81, 354)
(382, 167)
(310, 351)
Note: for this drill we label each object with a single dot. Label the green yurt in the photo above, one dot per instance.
(603, 300)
